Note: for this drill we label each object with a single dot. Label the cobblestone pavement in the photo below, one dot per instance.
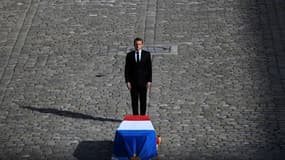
(62, 91)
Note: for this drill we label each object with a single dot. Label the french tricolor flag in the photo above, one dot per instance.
(135, 137)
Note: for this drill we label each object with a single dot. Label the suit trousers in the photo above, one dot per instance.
(138, 93)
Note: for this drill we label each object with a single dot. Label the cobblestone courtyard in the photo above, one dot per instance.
(219, 96)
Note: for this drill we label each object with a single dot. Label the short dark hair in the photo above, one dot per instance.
(138, 39)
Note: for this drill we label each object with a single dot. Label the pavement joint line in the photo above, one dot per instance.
(150, 21)
(271, 5)
(24, 28)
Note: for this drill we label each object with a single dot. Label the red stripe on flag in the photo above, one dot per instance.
(137, 118)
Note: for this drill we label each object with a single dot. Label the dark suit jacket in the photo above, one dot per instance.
(138, 74)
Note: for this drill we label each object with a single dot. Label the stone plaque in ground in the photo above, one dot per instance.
(157, 49)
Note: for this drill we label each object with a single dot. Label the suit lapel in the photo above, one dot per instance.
(142, 56)
(134, 56)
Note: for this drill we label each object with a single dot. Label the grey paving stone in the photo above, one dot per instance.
(62, 86)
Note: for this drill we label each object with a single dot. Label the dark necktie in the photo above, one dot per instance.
(138, 58)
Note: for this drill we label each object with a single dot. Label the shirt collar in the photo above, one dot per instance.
(140, 51)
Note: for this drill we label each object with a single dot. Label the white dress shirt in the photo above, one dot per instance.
(140, 55)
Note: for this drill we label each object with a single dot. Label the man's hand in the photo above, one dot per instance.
(129, 85)
(148, 85)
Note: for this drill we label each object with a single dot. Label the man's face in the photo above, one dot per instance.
(138, 45)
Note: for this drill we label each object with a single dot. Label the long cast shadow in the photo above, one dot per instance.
(91, 150)
(69, 114)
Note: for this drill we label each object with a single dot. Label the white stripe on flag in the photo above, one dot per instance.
(136, 125)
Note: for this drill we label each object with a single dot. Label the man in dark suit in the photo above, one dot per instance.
(138, 75)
